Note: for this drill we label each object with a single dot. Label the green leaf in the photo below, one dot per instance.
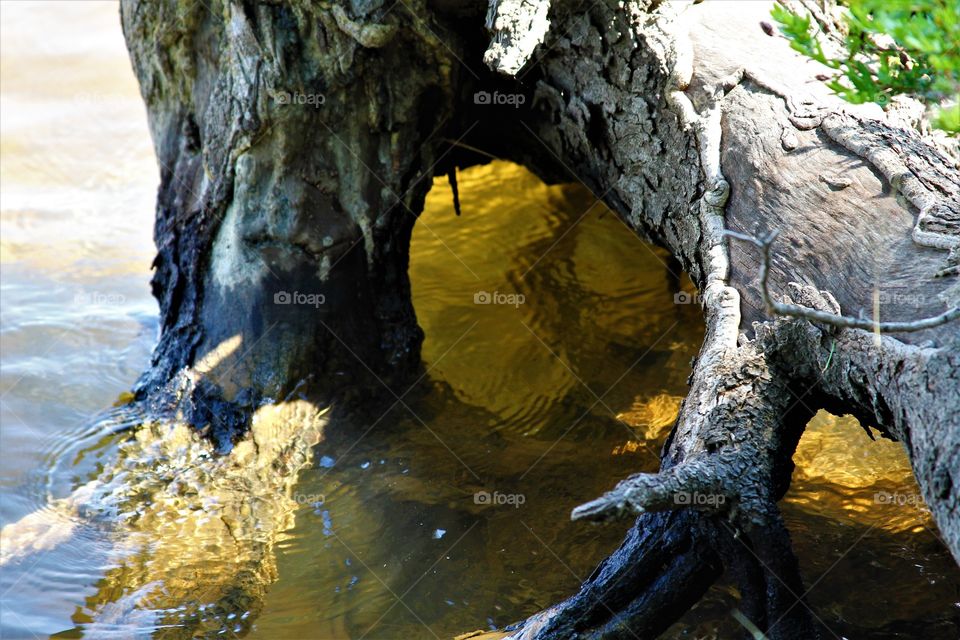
(925, 33)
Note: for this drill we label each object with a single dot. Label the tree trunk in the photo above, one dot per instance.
(295, 148)
(298, 140)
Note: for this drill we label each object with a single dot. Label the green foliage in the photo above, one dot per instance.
(892, 47)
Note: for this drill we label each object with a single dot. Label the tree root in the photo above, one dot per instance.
(518, 26)
(713, 504)
(665, 559)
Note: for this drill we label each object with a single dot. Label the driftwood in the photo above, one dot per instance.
(297, 141)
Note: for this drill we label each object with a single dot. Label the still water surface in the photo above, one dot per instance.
(540, 405)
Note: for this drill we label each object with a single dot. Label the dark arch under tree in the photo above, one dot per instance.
(297, 141)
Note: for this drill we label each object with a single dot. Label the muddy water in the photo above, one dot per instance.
(555, 357)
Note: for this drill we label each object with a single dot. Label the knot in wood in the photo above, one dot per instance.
(718, 193)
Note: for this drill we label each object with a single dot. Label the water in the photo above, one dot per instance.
(451, 513)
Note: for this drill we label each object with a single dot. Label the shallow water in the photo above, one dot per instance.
(540, 404)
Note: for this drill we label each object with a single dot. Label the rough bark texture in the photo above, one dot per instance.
(296, 142)
(685, 119)
(684, 131)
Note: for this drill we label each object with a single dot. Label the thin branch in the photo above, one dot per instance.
(845, 322)
(462, 145)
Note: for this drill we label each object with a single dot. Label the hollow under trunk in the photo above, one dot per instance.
(297, 142)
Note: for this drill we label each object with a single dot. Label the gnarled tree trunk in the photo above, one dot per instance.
(297, 142)
(294, 147)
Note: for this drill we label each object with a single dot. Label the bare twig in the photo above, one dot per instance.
(845, 322)
(462, 145)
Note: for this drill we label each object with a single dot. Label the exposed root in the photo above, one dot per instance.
(656, 491)
(667, 559)
(728, 457)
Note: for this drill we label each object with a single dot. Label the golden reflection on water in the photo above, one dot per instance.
(525, 396)
(576, 286)
(842, 474)
(836, 450)
(653, 418)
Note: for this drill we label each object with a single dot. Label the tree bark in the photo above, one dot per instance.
(685, 119)
(704, 132)
(296, 146)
